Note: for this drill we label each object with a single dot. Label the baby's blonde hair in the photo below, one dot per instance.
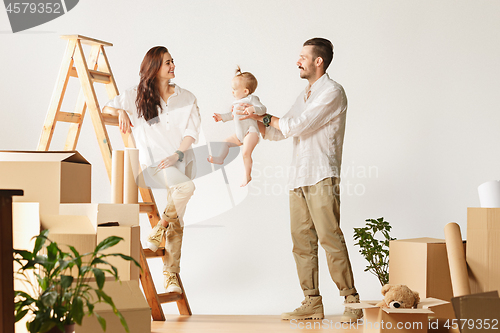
(248, 78)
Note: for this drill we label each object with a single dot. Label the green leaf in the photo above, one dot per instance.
(124, 257)
(99, 277)
(107, 243)
(77, 310)
(66, 281)
(101, 321)
(52, 251)
(77, 258)
(40, 241)
(49, 298)
(20, 315)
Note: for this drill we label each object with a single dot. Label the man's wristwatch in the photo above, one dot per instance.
(181, 155)
(266, 120)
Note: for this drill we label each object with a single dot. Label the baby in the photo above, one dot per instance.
(247, 130)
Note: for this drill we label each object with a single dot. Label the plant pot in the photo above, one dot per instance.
(69, 328)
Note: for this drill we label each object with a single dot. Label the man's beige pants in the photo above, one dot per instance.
(315, 216)
(180, 189)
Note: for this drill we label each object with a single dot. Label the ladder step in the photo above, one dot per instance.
(158, 253)
(169, 297)
(96, 76)
(100, 77)
(146, 207)
(69, 117)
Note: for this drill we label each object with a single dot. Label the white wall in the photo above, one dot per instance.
(422, 78)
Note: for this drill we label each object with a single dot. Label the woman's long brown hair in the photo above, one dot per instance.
(148, 96)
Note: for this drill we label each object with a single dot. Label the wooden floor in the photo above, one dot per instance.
(244, 324)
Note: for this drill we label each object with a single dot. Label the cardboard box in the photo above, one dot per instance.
(130, 246)
(483, 249)
(378, 320)
(49, 178)
(477, 312)
(124, 214)
(130, 301)
(73, 230)
(422, 265)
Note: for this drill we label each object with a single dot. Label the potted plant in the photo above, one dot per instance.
(60, 292)
(375, 251)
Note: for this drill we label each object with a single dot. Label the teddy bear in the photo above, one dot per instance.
(398, 296)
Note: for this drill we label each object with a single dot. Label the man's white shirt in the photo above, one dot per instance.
(317, 125)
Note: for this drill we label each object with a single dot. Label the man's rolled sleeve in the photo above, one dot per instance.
(318, 113)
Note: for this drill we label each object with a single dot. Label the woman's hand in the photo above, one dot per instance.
(217, 117)
(169, 161)
(124, 122)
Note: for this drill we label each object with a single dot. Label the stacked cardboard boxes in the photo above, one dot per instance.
(57, 197)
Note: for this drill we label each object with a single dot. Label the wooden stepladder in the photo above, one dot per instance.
(97, 69)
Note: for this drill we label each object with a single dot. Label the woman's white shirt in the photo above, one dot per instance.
(160, 137)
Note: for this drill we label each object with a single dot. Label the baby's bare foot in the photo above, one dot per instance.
(214, 160)
(246, 182)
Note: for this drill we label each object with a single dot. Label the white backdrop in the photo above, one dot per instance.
(422, 79)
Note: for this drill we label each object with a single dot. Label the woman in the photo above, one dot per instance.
(165, 121)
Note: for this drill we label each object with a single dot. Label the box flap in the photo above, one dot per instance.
(430, 301)
(423, 306)
(427, 240)
(42, 156)
(67, 224)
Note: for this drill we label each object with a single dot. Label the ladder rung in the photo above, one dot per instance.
(69, 117)
(158, 253)
(146, 207)
(96, 76)
(109, 119)
(100, 77)
(169, 297)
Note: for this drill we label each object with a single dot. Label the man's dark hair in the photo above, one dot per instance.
(321, 48)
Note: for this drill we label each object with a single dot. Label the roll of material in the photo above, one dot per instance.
(117, 177)
(131, 171)
(456, 260)
(489, 194)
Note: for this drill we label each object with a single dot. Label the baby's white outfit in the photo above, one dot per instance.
(245, 126)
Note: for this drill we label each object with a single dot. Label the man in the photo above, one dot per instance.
(317, 124)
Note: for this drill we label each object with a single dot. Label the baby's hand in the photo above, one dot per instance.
(250, 110)
(217, 117)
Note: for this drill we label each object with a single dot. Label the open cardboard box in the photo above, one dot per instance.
(124, 214)
(47, 177)
(378, 320)
(422, 265)
(130, 301)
